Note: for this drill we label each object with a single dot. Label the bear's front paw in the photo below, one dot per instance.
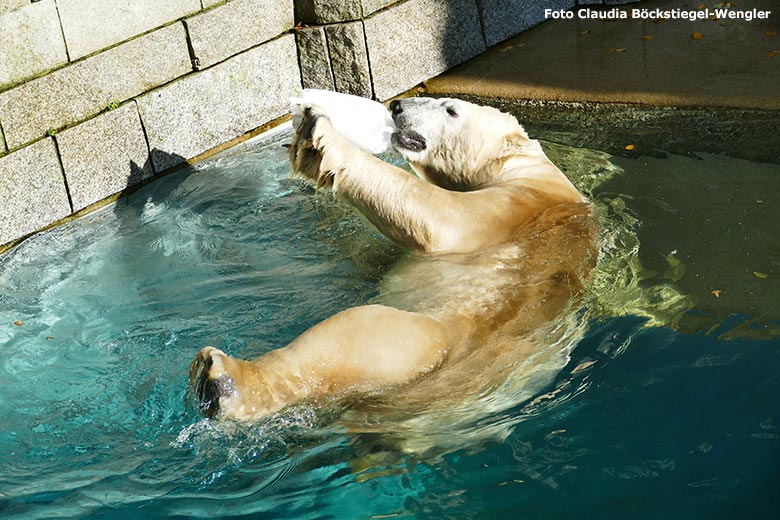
(315, 140)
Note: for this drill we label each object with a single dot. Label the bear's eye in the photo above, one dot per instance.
(452, 112)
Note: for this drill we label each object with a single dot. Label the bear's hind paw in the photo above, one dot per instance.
(209, 382)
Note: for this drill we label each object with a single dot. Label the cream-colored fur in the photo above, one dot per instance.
(499, 238)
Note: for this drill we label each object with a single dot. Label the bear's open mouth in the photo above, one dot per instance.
(408, 140)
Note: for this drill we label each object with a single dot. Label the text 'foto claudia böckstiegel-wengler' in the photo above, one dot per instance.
(659, 14)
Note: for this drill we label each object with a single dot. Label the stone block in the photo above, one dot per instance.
(349, 59)
(503, 19)
(206, 109)
(32, 190)
(6, 6)
(91, 25)
(371, 6)
(314, 58)
(30, 42)
(83, 89)
(327, 11)
(236, 26)
(104, 155)
(406, 48)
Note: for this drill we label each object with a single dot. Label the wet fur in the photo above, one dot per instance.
(499, 243)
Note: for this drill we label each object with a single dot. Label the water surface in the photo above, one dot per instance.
(667, 406)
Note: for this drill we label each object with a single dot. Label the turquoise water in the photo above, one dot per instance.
(668, 406)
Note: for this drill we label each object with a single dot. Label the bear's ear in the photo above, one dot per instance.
(520, 132)
(517, 142)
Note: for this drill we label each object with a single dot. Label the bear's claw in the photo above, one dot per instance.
(207, 386)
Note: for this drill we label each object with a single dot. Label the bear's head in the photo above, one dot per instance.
(455, 144)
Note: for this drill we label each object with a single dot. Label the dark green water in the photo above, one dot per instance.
(668, 407)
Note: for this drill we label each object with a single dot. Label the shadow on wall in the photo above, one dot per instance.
(129, 209)
(464, 34)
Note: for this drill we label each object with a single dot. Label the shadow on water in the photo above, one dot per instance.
(129, 207)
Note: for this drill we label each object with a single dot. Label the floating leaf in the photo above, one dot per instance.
(630, 147)
(716, 293)
(647, 37)
(771, 54)
(760, 275)
(770, 33)
(697, 36)
(581, 33)
(701, 7)
(18, 323)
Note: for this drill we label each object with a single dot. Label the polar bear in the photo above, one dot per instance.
(499, 243)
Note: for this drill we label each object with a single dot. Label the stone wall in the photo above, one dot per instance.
(99, 95)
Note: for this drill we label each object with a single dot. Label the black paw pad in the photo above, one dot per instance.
(208, 390)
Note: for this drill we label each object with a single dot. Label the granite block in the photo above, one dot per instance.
(206, 109)
(314, 58)
(104, 155)
(7, 6)
(371, 6)
(405, 48)
(91, 25)
(349, 59)
(503, 19)
(83, 89)
(236, 26)
(32, 190)
(327, 11)
(30, 42)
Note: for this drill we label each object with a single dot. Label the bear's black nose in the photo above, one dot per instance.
(395, 107)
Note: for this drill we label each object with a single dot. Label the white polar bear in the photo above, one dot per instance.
(499, 242)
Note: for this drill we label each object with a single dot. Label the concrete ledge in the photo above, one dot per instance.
(630, 61)
(208, 108)
(104, 155)
(112, 21)
(449, 33)
(30, 42)
(85, 88)
(32, 190)
(236, 26)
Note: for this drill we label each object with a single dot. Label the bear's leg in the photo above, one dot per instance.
(361, 349)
